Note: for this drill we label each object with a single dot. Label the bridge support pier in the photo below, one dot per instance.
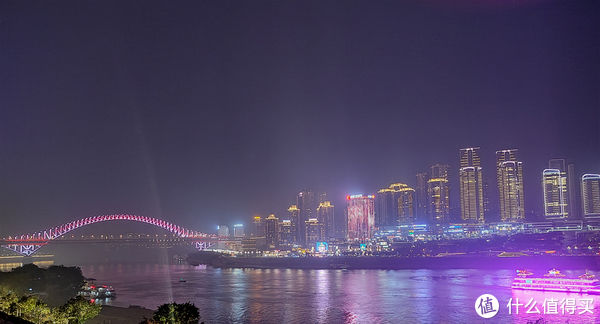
(202, 245)
(24, 249)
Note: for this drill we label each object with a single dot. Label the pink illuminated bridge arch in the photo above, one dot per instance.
(58, 231)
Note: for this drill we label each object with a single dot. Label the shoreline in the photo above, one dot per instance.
(397, 263)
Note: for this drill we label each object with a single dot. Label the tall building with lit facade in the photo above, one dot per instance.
(568, 188)
(258, 227)
(394, 205)
(322, 197)
(590, 196)
(238, 231)
(438, 194)
(307, 204)
(223, 231)
(471, 186)
(554, 185)
(314, 232)
(361, 217)
(272, 231)
(294, 217)
(325, 216)
(486, 199)
(420, 205)
(285, 233)
(385, 212)
(509, 173)
(573, 187)
(406, 203)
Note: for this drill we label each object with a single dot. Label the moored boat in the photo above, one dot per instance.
(93, 291)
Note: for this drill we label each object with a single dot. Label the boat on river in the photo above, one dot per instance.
(554, 280)
(93, 291)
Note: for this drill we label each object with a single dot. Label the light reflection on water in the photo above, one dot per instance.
(320, 296)
(563, 316)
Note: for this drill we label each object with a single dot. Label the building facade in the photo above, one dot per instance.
(223, 231)
(238, 231)
(258, 227)
(326, 216)
(285, 233)
(590, 196)
(421, 207)
(272, 231)
(361, 217)
(294, 217)
(314, 232)
(509, 172)
(438, 194)
(569, 187)
(471, 186)
(554, 185)
(306, 203)
(394, 205)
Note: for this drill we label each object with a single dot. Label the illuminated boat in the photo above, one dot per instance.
(97, 291)
(554, 280)
(524, 273)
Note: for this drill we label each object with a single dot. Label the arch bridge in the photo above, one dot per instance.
(28, 244)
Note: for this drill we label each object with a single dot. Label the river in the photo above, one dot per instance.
(329, 296)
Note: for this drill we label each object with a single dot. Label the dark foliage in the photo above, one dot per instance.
(174, 313)
(55, 285)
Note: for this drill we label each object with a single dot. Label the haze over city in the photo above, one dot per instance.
(135, 111)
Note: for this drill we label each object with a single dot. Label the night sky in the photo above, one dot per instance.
(208, 112)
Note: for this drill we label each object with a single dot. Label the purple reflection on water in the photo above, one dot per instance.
(322, 296)
(536, 302)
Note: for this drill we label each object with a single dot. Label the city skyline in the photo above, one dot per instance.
(561, 198)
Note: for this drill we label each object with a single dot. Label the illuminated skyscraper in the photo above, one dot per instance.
(554, 183)
(438, 195)
(294, 216)
(385, 208)
(272, 231)
(285, 232)
(325, 216)
(314, 231)
(307, 204)
(361, 217)
(223, 231)
(590, 194)
(568, 188)
(322, 197)
(421, 207)
(573, 188)
(394, 205)
(258, 227)
(471, 186)
(238, 230)
(509, 172)
(406, 200)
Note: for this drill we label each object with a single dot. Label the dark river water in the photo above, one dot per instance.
(332, 296)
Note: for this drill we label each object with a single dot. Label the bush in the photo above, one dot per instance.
(76, 310)
(174, 313)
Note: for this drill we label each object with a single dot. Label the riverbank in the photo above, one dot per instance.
(397, 263)
(121, 315)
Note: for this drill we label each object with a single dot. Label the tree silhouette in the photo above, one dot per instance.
(174, 313)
